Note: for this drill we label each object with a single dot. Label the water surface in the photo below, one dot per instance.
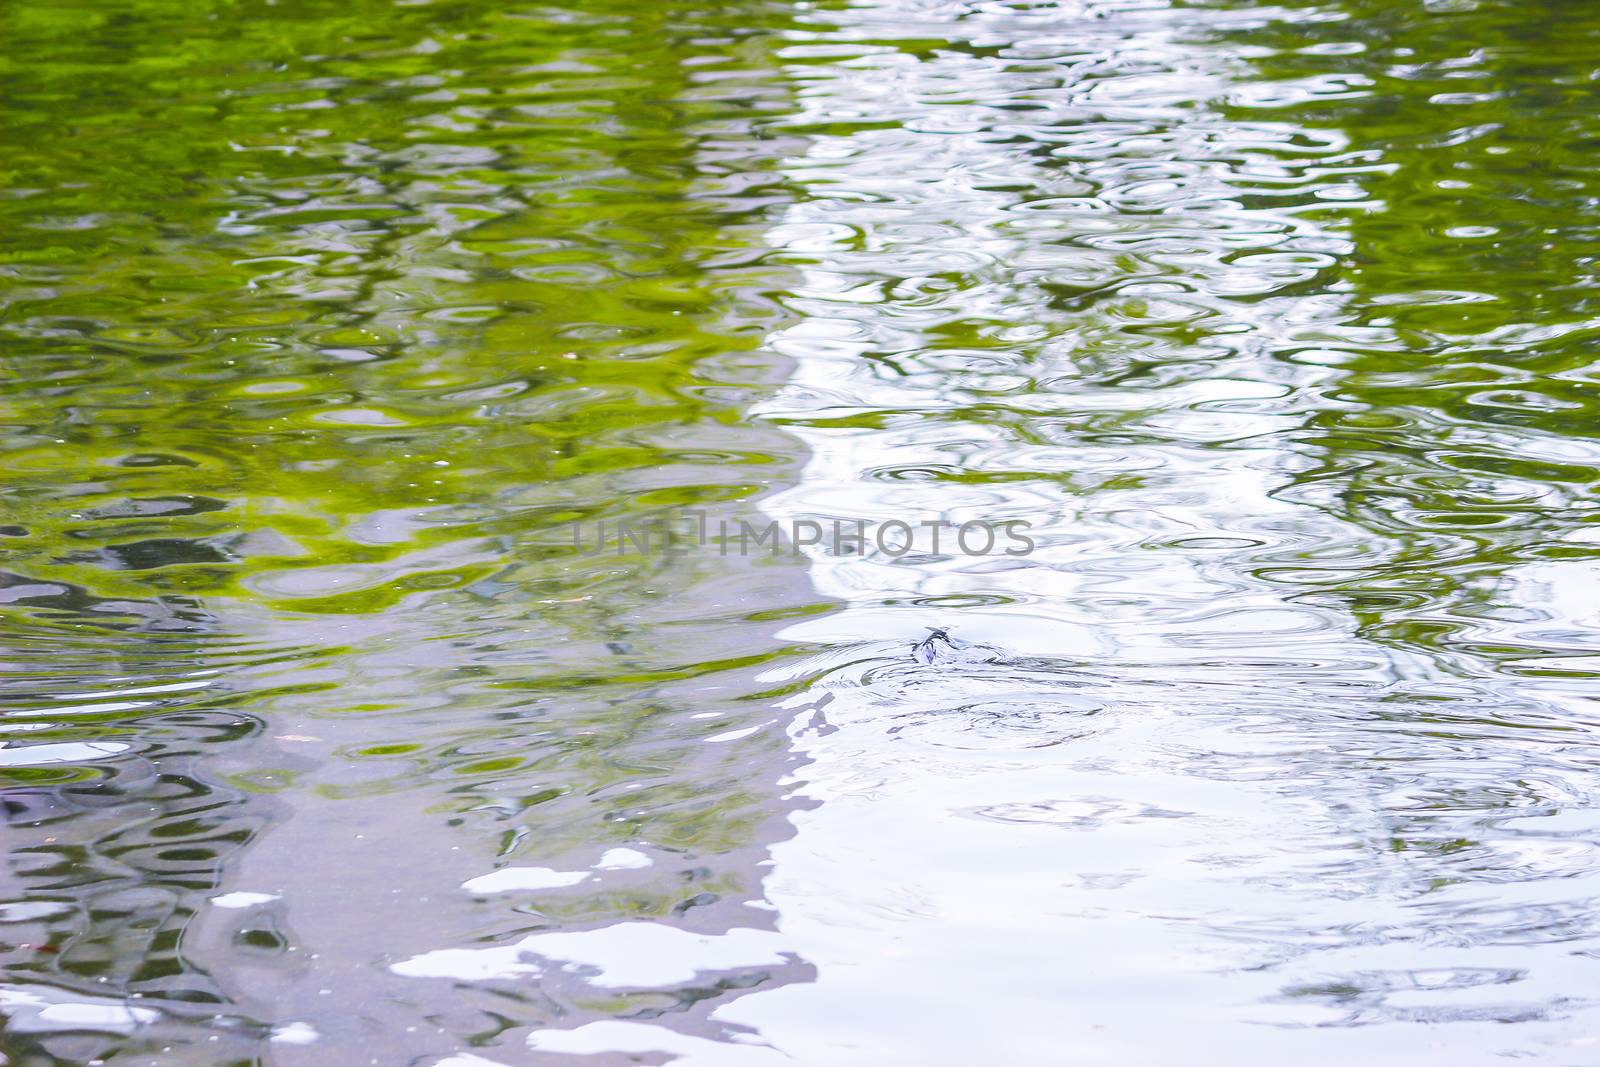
(325, 743)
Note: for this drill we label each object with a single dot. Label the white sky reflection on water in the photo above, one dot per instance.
(621, 956)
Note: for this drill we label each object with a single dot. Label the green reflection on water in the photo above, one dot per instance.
(275, 272)
(1461, 435)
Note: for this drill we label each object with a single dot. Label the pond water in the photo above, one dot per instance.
(339, 338)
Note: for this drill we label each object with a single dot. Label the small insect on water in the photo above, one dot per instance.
(936, 644)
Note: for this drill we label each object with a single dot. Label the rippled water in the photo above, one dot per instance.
(326, 326)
